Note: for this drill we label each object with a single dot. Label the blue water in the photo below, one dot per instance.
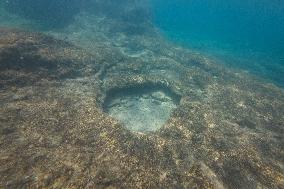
(244, 34)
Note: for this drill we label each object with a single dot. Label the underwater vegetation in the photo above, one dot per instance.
(106, 101)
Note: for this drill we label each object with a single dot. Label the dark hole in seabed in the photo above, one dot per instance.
(141, 108)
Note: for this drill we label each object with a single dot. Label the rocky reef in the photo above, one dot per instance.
(225, 132)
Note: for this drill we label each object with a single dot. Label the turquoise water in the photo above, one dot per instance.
(245, 34)
(142, 94)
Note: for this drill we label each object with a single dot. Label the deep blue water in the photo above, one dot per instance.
(245, 34)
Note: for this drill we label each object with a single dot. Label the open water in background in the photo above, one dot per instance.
(245, 34)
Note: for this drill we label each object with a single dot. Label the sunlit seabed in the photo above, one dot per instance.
(187, 121)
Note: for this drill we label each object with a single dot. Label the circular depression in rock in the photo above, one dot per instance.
(141, 108)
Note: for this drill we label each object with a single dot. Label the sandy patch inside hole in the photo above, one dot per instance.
(141, 109)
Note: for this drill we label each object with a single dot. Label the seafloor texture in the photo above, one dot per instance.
(141, 109)
(226, 132)
(200, 125)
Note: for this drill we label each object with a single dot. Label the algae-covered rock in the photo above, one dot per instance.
(226, 130)
(30, 57)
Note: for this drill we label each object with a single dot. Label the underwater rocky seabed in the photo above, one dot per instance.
(225, 129)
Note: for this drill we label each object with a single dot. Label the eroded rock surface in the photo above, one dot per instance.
(142, 108)
(226, 132)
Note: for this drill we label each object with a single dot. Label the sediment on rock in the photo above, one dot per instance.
(54, 131)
